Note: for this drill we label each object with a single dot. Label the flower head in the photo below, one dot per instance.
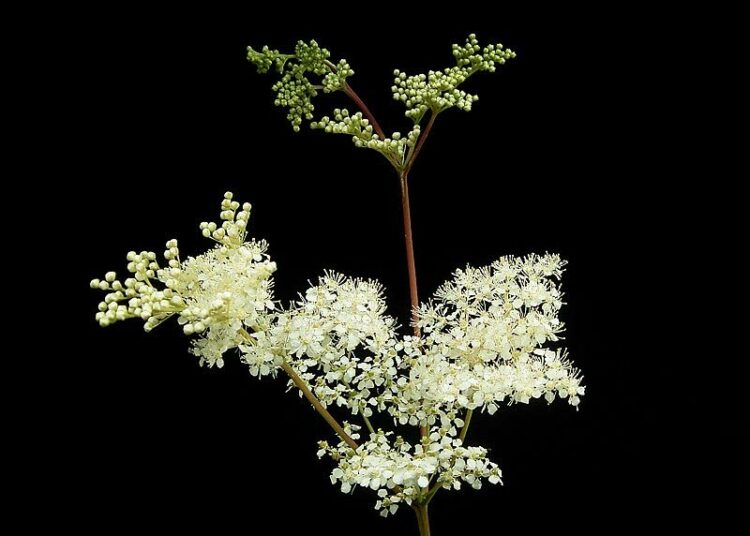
(295, 90)
(404, 473)
(484, 338)
(339, 339)
(216, 295)
(438, 90)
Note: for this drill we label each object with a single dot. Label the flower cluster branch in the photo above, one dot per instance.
(308, 70)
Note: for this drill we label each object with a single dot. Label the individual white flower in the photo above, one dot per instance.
(216, 295)
(261, 353)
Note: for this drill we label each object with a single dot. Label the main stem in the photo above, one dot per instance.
(423, 519)
(409, 243)
(405, 205)
(409, 238)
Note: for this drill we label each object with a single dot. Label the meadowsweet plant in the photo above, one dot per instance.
(488, 338)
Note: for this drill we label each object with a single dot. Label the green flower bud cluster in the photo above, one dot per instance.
(393, 148)
(294, 90)
(343, 123)
(438, 90)
(336, 80)
(266, 58)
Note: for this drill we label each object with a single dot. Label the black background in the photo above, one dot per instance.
(168, 115)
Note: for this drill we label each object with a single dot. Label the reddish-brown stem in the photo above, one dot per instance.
(420, 143)
(302, 386)
(365, 110)
(411, 265)
(406, 208)
(409, 239)
(409, 242)
(359, 102)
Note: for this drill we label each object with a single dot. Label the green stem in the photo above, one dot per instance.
(423, 519)
(368, 423)
(432, 492)
(462, 436)
(467, 421)
(302, 386)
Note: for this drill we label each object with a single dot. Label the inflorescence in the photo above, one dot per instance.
(485, 341)
(295, 90)
(438, 90)
(435, 91)
(489, 337)
(215, 295)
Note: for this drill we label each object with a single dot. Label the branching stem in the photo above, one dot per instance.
(368, 423)
(365, 110)
(423, 519)
(409, 243)
(302, 386)
(467, 421)
(417, 148)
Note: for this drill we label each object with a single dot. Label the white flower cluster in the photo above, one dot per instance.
(483, 344)
(485, 340)
(216, 294)
(438, 90)
(403, 473)
(295, 90)
(339, 340)
(393, 148)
